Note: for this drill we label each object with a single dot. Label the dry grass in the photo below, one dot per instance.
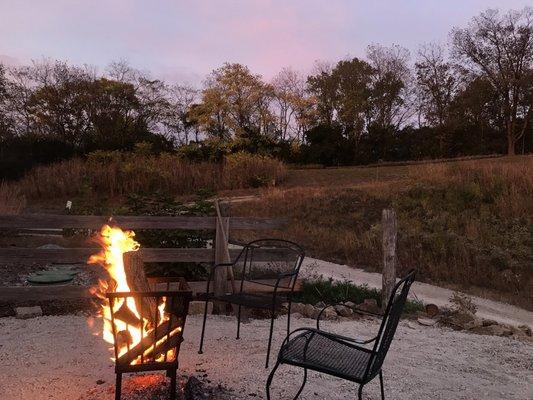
(115, 174)
(11, 199)
(467, 225)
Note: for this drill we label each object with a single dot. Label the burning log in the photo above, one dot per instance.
(149, 346)
(137, 282)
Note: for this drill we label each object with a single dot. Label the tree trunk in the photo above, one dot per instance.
(510, 142)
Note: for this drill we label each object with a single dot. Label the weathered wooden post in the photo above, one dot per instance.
(220, 278)
(390, 232)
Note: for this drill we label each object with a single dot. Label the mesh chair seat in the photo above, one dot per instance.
(251, 300)
(314, 350)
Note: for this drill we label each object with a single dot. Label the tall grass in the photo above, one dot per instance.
(468, 225)
(11, 199)
(115, 174)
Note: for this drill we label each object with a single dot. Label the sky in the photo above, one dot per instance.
(183, 40)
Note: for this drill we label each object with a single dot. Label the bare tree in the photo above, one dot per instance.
(289, 90)
(393, 99)
(500, 48)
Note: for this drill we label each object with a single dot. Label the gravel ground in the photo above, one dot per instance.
(62, 357)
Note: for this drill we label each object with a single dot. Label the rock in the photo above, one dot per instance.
(194, 390)
(50, 246)
(310, 311)
(320, 305)
(297, 308)
(344, 311)
(198, 307)
(494, 330)
(432, 310)
(369, 305)
(350, 304)
(426, 321)
(329, 314)
(28, 312)
(525, 329)
(489, 322)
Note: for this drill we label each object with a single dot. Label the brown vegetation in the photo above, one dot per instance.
(116, 174)
(467, 224)
(11, 199)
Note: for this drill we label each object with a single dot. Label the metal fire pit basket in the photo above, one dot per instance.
(152, 352)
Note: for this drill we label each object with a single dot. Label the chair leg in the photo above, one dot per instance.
(201, 350)
(118, 386)
(270, 338)
(269, 380)
(239, 322)
(303, 384)
(381, 384)
(360, 392)
(173, 382)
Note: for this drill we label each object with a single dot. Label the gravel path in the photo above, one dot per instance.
(495, 310)
(60, 357)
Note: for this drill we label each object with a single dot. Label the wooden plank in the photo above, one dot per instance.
(48, 221)
(22, 294)
(81, 255)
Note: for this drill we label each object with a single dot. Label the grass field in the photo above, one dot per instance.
(465, 225)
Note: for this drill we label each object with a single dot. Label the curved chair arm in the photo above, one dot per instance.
(354, 340)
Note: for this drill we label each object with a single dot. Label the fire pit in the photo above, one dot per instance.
(151, 342)
(144, 324)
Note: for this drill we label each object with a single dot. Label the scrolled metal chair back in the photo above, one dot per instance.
(284, 258)
(390, 322)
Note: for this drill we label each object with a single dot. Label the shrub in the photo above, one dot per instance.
(115, 173)
(11, 199)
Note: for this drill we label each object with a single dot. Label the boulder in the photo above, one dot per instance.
(369, 305)
(310, 311)
(344, 311)
(329, 313)
(320, 305)
(350, 304)
(298, 308)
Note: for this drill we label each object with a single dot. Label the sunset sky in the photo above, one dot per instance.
(184, 40)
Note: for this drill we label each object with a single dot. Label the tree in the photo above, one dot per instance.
(235, 104)
(436, 85)
(392, 97)
(288, 92)
(500, 48)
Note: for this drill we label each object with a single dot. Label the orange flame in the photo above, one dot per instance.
(115, 242)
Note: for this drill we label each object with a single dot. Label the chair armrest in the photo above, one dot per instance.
(354, 340)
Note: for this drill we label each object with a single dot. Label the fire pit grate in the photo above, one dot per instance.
(150, 339)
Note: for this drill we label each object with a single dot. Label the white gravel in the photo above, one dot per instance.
(58, 357)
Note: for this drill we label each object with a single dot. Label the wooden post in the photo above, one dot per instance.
(390, 231)
(221, 256)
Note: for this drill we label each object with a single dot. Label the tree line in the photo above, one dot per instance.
(473, 95)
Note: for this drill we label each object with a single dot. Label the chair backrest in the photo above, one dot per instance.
(389, 323)
(263, 260)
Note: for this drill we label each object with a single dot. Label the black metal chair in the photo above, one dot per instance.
(268, 262)
(342, 356)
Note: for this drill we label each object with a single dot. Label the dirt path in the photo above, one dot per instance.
(59, 358)
(500, 312)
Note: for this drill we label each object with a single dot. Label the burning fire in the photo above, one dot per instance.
(115, 242)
